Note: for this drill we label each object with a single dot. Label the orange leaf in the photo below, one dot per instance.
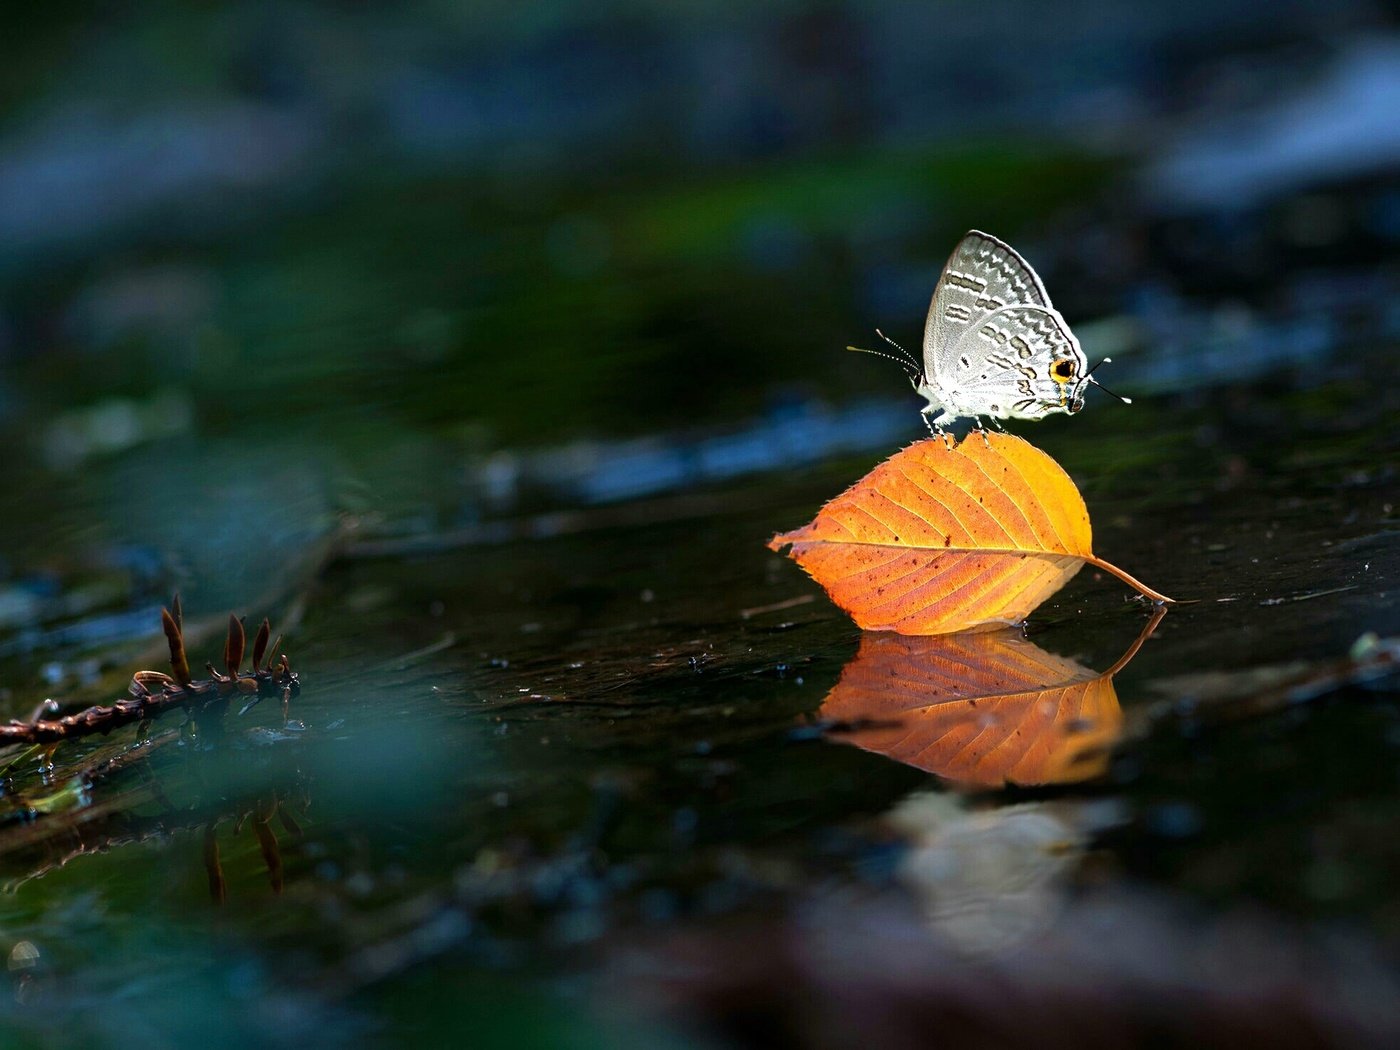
(938, 539)
(983, 709)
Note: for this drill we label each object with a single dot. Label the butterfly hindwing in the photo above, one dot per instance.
(1004, 366)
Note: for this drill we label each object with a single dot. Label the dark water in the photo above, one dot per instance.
(492, 401)
(521, 758)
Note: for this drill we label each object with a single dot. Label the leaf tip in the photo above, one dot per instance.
(779, 541)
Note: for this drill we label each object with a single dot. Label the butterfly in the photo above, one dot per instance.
(993, 344)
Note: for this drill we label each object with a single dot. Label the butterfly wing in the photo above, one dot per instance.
(1018, 361)
(982, 275)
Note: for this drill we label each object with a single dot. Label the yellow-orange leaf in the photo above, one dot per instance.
(938, 539)
(982, 709)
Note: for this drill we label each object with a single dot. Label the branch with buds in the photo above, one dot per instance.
(152, 693)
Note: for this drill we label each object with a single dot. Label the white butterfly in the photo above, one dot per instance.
(993, 344)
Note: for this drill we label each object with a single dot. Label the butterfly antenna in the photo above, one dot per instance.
(906, 353)
(1089, 377)
(913, 372)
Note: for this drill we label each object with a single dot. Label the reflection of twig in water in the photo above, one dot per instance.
(261, 814)
(102, 825)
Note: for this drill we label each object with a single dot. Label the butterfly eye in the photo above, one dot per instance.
(1062, 371)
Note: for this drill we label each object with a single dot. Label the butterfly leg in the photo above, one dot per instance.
(936, 424)
(977, 426)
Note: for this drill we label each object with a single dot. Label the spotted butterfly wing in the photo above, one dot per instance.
(982, 275)
(1017, 362)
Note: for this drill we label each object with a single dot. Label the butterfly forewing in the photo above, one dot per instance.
(982, 275)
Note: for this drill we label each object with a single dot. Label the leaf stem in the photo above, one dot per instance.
(1137, 585)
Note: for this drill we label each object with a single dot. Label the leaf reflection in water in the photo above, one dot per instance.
(984, 709)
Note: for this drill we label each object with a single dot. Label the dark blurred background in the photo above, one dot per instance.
(383, 243)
